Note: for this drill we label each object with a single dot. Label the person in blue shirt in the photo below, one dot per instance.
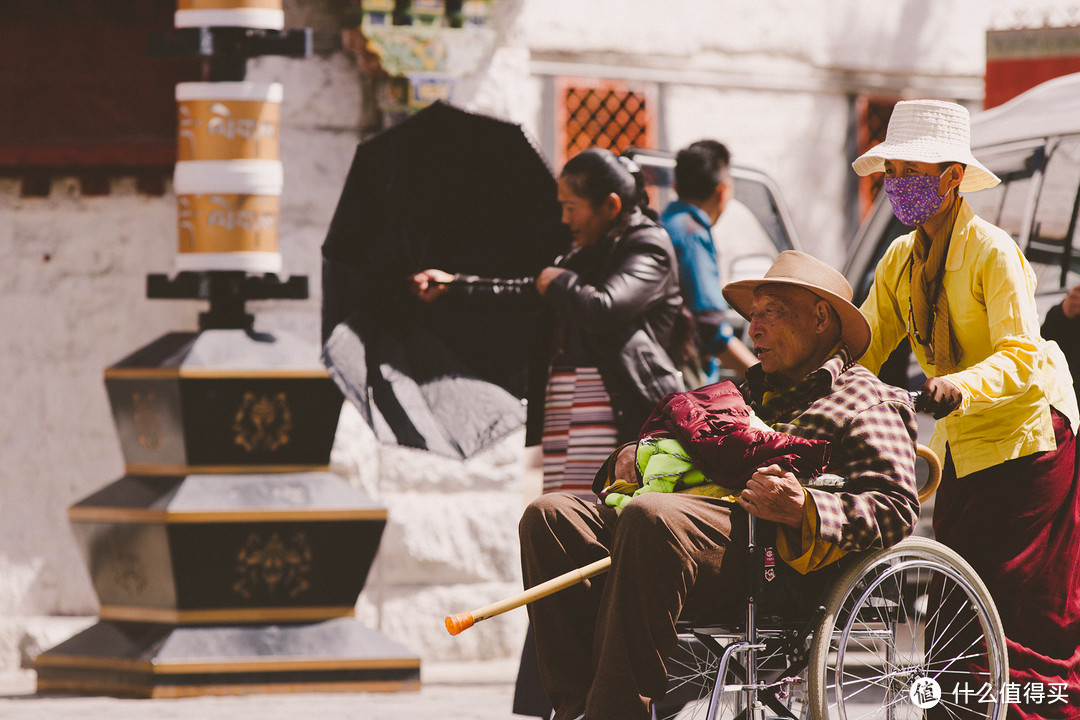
(704, 186)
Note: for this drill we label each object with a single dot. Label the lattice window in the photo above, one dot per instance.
(602, 113)
(873, 119)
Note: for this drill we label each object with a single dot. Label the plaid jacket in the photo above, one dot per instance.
(872, 430)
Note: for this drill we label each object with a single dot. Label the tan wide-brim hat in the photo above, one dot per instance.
(932, 131)
(792, 267)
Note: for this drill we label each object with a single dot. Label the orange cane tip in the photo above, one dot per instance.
(456, 624)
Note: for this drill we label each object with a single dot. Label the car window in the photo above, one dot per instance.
(744, 246)
(870, 247)
(756, 196)
(1053, 250)
(1004, 204)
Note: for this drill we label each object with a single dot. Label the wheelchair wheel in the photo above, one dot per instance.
(692, 672)
(909, 632)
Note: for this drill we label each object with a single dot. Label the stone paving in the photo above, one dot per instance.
(469, 691)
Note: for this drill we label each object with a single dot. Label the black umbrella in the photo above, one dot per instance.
(461, 192)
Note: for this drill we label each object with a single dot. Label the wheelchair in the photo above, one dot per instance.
(905, 632)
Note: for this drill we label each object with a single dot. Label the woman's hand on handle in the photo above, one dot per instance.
(938, 397)
(430, 284)
(546, 276)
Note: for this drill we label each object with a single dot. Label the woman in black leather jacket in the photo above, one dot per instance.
(616, 302)
(616, 313)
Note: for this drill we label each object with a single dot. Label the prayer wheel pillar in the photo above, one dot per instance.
(227, 559)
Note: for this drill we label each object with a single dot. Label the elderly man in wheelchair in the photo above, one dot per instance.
(819, 612)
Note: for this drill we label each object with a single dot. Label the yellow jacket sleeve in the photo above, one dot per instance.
(882, 307)
(813, 553)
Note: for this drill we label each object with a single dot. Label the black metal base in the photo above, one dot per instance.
(228, 549)
(145, 660)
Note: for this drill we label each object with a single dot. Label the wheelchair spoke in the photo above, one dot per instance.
(897, 620)
(692, 672)
(901, 619)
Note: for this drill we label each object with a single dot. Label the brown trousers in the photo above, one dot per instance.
(601, 644)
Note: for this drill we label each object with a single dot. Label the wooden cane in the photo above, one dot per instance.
(455, 624)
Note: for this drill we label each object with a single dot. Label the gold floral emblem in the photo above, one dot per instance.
(125, 563)
(262, 423)
(146, 419)
(273, 566)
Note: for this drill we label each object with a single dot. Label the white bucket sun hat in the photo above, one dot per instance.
(932, 131)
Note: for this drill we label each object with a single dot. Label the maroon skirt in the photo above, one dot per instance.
(1018, 524)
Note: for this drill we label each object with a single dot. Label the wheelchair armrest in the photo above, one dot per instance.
(835, 482)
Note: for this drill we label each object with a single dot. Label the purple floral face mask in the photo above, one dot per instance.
(914, 198)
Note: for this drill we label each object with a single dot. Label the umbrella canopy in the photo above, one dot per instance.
(464, 193)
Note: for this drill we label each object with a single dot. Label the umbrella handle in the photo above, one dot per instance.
(456, 624)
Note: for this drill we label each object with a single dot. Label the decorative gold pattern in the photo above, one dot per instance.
(273, 566)
(127, 570)
(263, 423)
(146, 418)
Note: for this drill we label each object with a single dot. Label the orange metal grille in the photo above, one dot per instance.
(602, 113)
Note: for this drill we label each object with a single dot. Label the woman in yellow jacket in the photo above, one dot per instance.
(963, 294)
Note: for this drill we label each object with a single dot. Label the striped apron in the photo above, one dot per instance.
(579, 430)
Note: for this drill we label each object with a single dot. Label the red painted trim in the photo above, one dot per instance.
(1008, 78)
(72, 153)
